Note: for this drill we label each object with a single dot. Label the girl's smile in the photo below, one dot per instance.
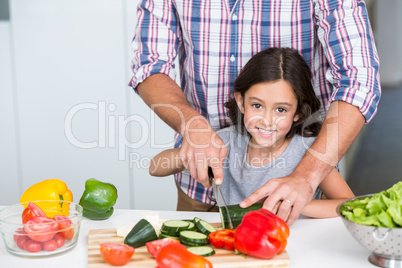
(264, 133)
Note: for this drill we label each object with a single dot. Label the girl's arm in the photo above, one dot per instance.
(336, 191)
(166, 163)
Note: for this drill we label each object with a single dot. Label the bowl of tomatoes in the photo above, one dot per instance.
(40, 228)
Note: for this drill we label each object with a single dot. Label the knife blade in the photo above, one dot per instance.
(217, 189)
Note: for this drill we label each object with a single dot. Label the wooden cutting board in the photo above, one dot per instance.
(141, 257)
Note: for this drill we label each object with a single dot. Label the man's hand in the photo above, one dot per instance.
(286, 197)
(202, 148)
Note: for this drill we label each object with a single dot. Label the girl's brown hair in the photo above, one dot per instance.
(275, 64)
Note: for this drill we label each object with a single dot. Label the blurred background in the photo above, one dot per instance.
(67, 112)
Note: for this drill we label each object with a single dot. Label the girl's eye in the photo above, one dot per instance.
(256, 105)
(281, 110)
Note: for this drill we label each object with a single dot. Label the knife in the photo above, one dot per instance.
(217, 188)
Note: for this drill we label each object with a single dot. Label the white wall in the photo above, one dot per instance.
(66, 109)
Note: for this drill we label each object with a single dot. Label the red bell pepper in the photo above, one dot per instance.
(261, 234)
(177, 256)
(222, 239)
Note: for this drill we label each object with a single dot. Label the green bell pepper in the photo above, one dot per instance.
(98, 199)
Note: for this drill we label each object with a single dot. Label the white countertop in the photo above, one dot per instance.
(312, 242)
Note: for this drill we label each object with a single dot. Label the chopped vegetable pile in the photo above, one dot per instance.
(382, 209)
(260, 234)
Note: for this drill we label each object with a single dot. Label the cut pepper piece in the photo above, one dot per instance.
(222, 239)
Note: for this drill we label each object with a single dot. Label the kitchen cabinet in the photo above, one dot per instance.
(74, 111)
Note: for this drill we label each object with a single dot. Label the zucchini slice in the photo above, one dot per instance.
(193, 238)
(191, 226)
(236, 214)
(202, 250)
(196, 219)
(204, 227)
(170, 233)
(174, 227)
(168, 236)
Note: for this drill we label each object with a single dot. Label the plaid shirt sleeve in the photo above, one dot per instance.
(345, 34)
(156, 41)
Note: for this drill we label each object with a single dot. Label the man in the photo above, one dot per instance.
(213, 40)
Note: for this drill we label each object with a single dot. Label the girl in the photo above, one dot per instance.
(273, 98)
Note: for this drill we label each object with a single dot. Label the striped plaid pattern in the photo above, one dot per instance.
(215, 39)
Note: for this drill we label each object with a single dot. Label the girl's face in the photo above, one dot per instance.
(269, 110)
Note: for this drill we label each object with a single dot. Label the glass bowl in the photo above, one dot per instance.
(384, 243)
(40, 236)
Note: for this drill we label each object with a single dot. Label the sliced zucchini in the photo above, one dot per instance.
(187, 243)
(204, 227)
(170, 233)
(168, 236)
(191, 226)
(202, 250)
(174, 227)
(141, 233)
(193, 238)
(236, 214)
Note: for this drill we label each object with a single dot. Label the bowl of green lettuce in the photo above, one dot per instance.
(375, 221)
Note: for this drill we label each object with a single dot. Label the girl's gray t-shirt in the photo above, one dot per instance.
(242, 179)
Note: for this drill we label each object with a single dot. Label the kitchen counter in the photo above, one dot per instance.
(312, 242)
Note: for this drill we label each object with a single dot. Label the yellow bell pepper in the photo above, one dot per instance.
(51, 189)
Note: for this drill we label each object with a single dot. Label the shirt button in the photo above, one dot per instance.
(234, 17)
(232, 58)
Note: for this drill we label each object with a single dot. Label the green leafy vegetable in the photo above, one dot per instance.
(382, 209)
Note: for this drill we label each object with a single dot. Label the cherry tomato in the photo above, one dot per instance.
(20, 232)
(64, 224)
(50, 245)
(32, 246)
(154, 247)
(41, 229)
(116, 254)
(21, 240)
(59, 238)
(32, 210)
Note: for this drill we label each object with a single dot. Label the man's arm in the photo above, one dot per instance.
(201, 146)
(155, 44)
(340, 128)
(166, 99)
